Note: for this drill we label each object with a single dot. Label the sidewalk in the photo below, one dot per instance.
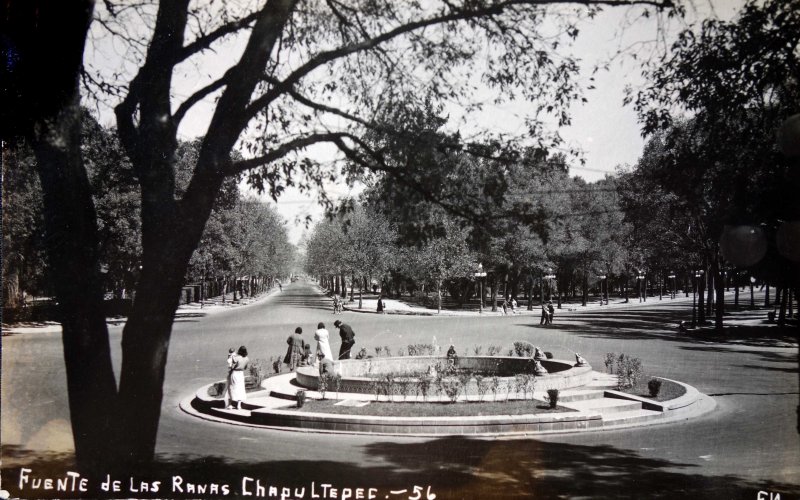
(398, 306)
(211, 305)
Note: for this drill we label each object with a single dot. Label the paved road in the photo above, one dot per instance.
(748, 444)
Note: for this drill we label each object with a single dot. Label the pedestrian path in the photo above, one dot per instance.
(369, 304)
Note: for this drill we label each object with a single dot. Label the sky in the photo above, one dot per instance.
(607, 132)
(603, 129)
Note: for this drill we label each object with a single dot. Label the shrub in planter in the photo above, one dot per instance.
(494, 350)
(424, 386)
(634, 370)
(609, 361)
(654, 385)
(523, 349)
(216, 390)
(300, 397)
(552, 397)
(324, 383)
(452, 387)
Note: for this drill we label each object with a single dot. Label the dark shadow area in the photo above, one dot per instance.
(188, 317)
(648, 324)
(771, 368)
(305, 299)
(754, 394)
(451, 467)
(764, 357)
(770, 356)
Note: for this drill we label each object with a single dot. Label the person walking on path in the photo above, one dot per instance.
(323, 341)
(550, 312)
(336, 304)
(380, 304)
(236, 390)
(348, 339)
(296, 349)
(513, 305)
(545, 319)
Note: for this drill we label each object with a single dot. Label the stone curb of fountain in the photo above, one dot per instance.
(268, 414)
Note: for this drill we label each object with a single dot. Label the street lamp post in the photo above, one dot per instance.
(639, 281)
(697, 274)
(602, 278)
(549, 276)
(672, 278)
(480, 274)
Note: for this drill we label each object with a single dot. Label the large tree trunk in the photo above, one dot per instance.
(72, 245)
(438, 296)
(530, 292)
(701, 308)
(494, 293)
(783, 304)
(45, 109)
(719, 310)
(585, 286)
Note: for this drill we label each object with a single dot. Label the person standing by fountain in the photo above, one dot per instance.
(348, 339)
(236, 390)
(323, 341)
(296, 349)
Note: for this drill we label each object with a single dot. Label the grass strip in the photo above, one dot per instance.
(433, 409)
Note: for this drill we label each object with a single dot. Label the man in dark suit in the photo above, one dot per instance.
(348, 339)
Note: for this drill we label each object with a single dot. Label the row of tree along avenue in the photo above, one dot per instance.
(370, 80)
(244, 247)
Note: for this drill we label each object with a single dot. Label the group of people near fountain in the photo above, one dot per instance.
(299, 351)
(297, 354)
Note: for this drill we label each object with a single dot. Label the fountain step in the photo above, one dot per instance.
(570, 395)
(631, 417)
(602, 380)
(271, 402)
(239, 413)
(605, 406)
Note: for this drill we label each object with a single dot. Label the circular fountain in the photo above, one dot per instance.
(359, 375)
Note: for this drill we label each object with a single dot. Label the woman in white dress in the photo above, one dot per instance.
(238, 365)
(323, 341)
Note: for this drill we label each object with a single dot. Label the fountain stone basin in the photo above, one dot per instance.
(358, 375)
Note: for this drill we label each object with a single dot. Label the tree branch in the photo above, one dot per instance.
(283, 150)
(205, 41)
(456, 15)
(198, 96)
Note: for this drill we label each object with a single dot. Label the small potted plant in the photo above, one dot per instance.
(654, 385)
(552, 397)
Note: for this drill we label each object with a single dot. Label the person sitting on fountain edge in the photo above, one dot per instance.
(325, 365)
